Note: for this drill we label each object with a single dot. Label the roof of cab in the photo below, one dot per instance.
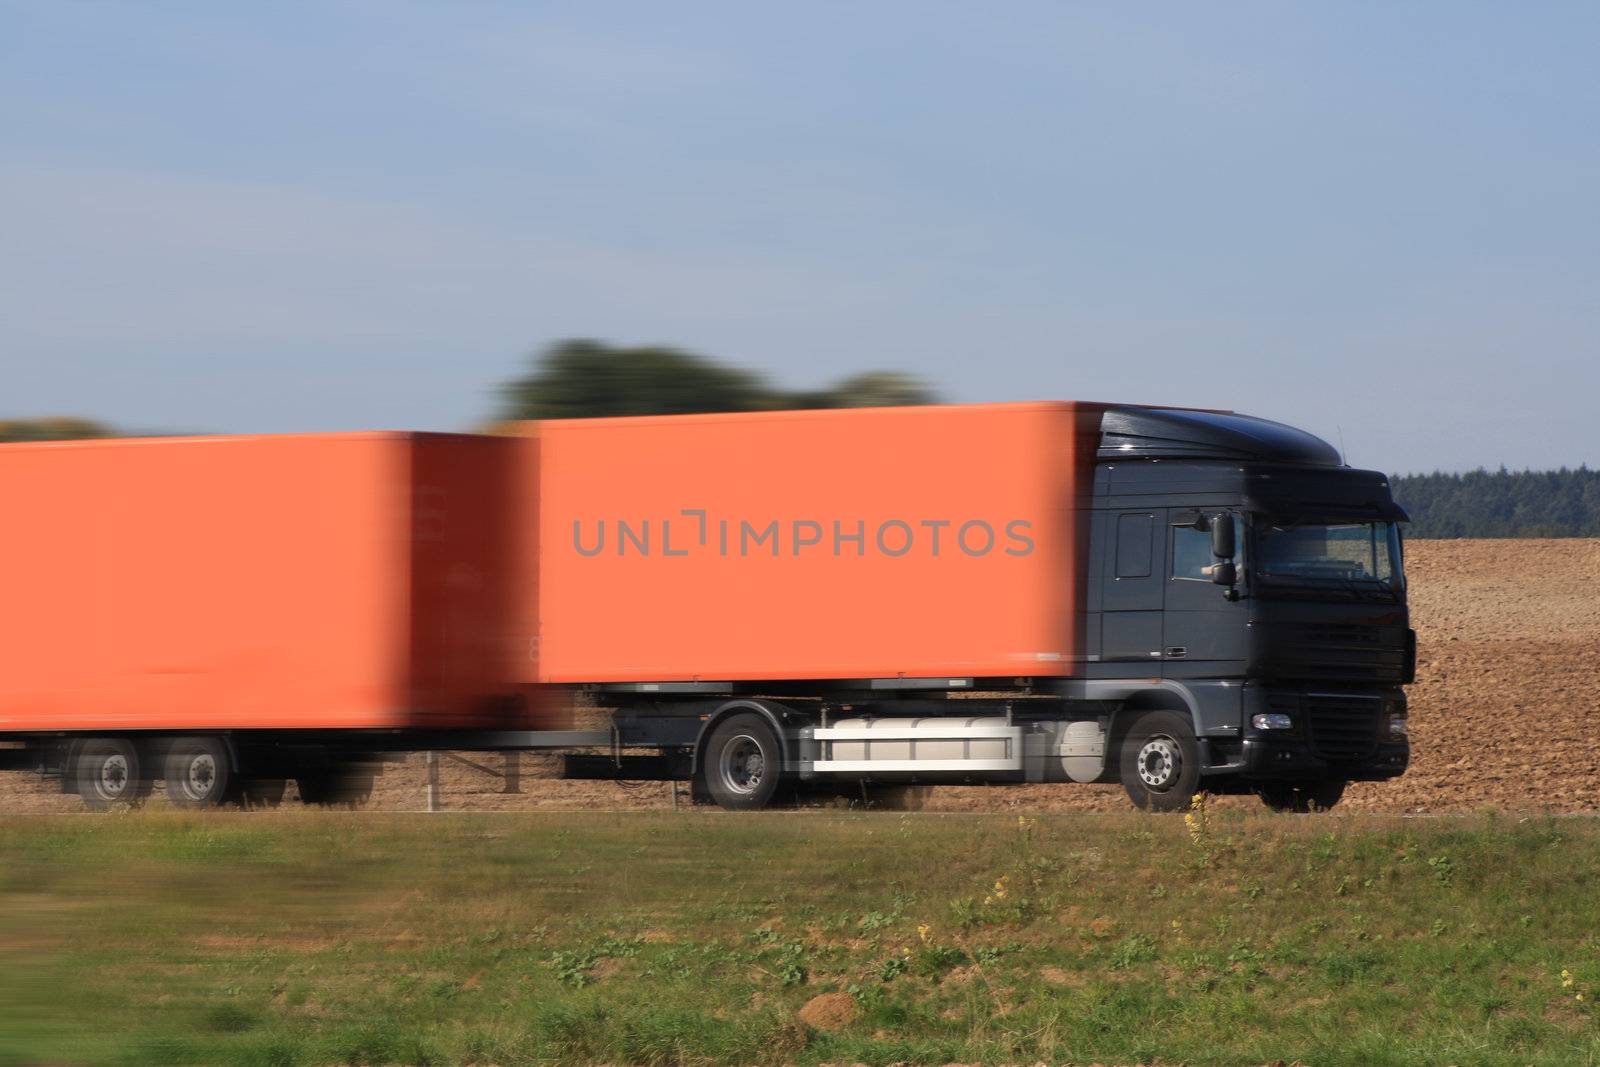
(1170, 433)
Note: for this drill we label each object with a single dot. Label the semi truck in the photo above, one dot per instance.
(757, 603)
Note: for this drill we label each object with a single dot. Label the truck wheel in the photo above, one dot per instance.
(743, 763)
(316, 787)
(1301, 799)
(106, 772)
(356, 788)
(263, 792)
(199, 773)
(1160, 762)
(339, 786)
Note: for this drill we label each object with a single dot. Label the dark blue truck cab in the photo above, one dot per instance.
(1248, 575)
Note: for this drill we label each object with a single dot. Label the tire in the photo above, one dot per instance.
(200, 773)
(343, 785)
(742, 763)
(263, 792)
(106, 773)
(1159, 762)
(1302, 799)
(315, 787)
(355, 789)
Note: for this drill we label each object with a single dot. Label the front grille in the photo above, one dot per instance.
(1337, 650)
(1343, 727)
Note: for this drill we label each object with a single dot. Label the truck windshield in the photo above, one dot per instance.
(1361, 554)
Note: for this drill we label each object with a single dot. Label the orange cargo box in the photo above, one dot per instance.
(338, 581)
(869, 543)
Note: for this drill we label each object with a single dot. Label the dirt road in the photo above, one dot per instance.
(1505, 712)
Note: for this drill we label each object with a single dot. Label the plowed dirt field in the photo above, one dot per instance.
(1505, 712)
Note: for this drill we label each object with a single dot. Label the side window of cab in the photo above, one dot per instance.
(1191, 554)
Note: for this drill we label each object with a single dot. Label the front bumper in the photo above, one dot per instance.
(1266, 758)
(1335, 733)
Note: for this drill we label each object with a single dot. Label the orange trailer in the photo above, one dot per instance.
(233, 587)
(349, 581)
(892, 543)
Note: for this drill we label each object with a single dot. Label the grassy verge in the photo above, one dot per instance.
(324, 938)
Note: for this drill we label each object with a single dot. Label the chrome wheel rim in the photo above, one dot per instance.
(112, 781)
(742, 766)
(1160, 763)
(200, 776)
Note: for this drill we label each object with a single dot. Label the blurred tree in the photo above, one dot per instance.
(879, 389)
(589, 379)
(57, 428)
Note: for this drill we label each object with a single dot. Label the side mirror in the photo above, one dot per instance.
(1225, 574)
(1222, 545)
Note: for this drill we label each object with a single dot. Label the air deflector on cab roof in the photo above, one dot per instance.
(1161, 433)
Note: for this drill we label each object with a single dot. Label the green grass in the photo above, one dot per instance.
(322, 938)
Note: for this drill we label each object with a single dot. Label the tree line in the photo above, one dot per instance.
(1502, 503)
(587, 379)
(582, 379)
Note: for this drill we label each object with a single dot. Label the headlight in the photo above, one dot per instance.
(1397, 726)
(1272, 720)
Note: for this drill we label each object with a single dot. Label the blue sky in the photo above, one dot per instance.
(1380, 222)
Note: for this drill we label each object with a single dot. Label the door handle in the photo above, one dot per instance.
(1176, 651)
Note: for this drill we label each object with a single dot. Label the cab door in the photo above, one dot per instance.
(1203, 631)
(1133, 585)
